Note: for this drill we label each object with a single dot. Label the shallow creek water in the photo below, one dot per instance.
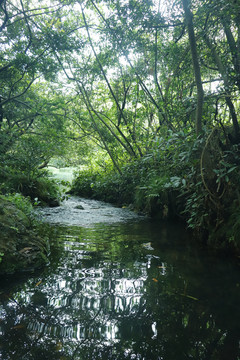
(121, 286)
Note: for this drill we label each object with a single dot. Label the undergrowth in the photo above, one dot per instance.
(37, 186)
(175, 180)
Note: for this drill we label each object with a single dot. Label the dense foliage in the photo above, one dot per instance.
(143, 93)
(171, 184)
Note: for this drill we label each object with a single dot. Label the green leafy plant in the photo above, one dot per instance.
(1, 256)
(22, 203)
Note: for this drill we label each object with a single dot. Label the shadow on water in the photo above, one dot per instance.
(128, 288)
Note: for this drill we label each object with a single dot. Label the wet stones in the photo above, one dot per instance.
(79, 207)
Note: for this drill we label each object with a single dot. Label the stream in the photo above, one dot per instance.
(121, 286)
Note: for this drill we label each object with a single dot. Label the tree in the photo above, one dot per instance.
(126, 67)
(196, 66)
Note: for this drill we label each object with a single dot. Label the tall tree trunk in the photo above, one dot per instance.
(110, 87)
(235, 51)
(89, 108)
(1, 112)
(141, 82)
(162, 113)
(223, 72)
(196, 67)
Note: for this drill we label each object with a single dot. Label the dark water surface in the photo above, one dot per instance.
(121, 287)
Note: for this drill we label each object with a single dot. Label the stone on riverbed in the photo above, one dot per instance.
(79, 207)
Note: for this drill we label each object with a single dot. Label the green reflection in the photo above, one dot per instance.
(124, 291)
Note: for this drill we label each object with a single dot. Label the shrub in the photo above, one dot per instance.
(192, 178)
(22, 203)
(38, 187)
(83, 183)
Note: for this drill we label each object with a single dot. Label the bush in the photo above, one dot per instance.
(150, 183)
(38, 187)
(20, 171)
(193, 179)
(22, 203)
(83, 183)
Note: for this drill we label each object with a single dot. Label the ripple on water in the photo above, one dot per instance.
(84, 212)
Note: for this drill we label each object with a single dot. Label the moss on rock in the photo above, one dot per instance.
(21, 248)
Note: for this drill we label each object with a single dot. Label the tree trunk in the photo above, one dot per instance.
(196, 67)
(223, 72)
(235, 51)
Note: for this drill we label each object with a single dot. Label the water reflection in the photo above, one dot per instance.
(124, 291)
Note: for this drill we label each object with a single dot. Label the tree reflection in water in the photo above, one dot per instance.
(124, 291)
